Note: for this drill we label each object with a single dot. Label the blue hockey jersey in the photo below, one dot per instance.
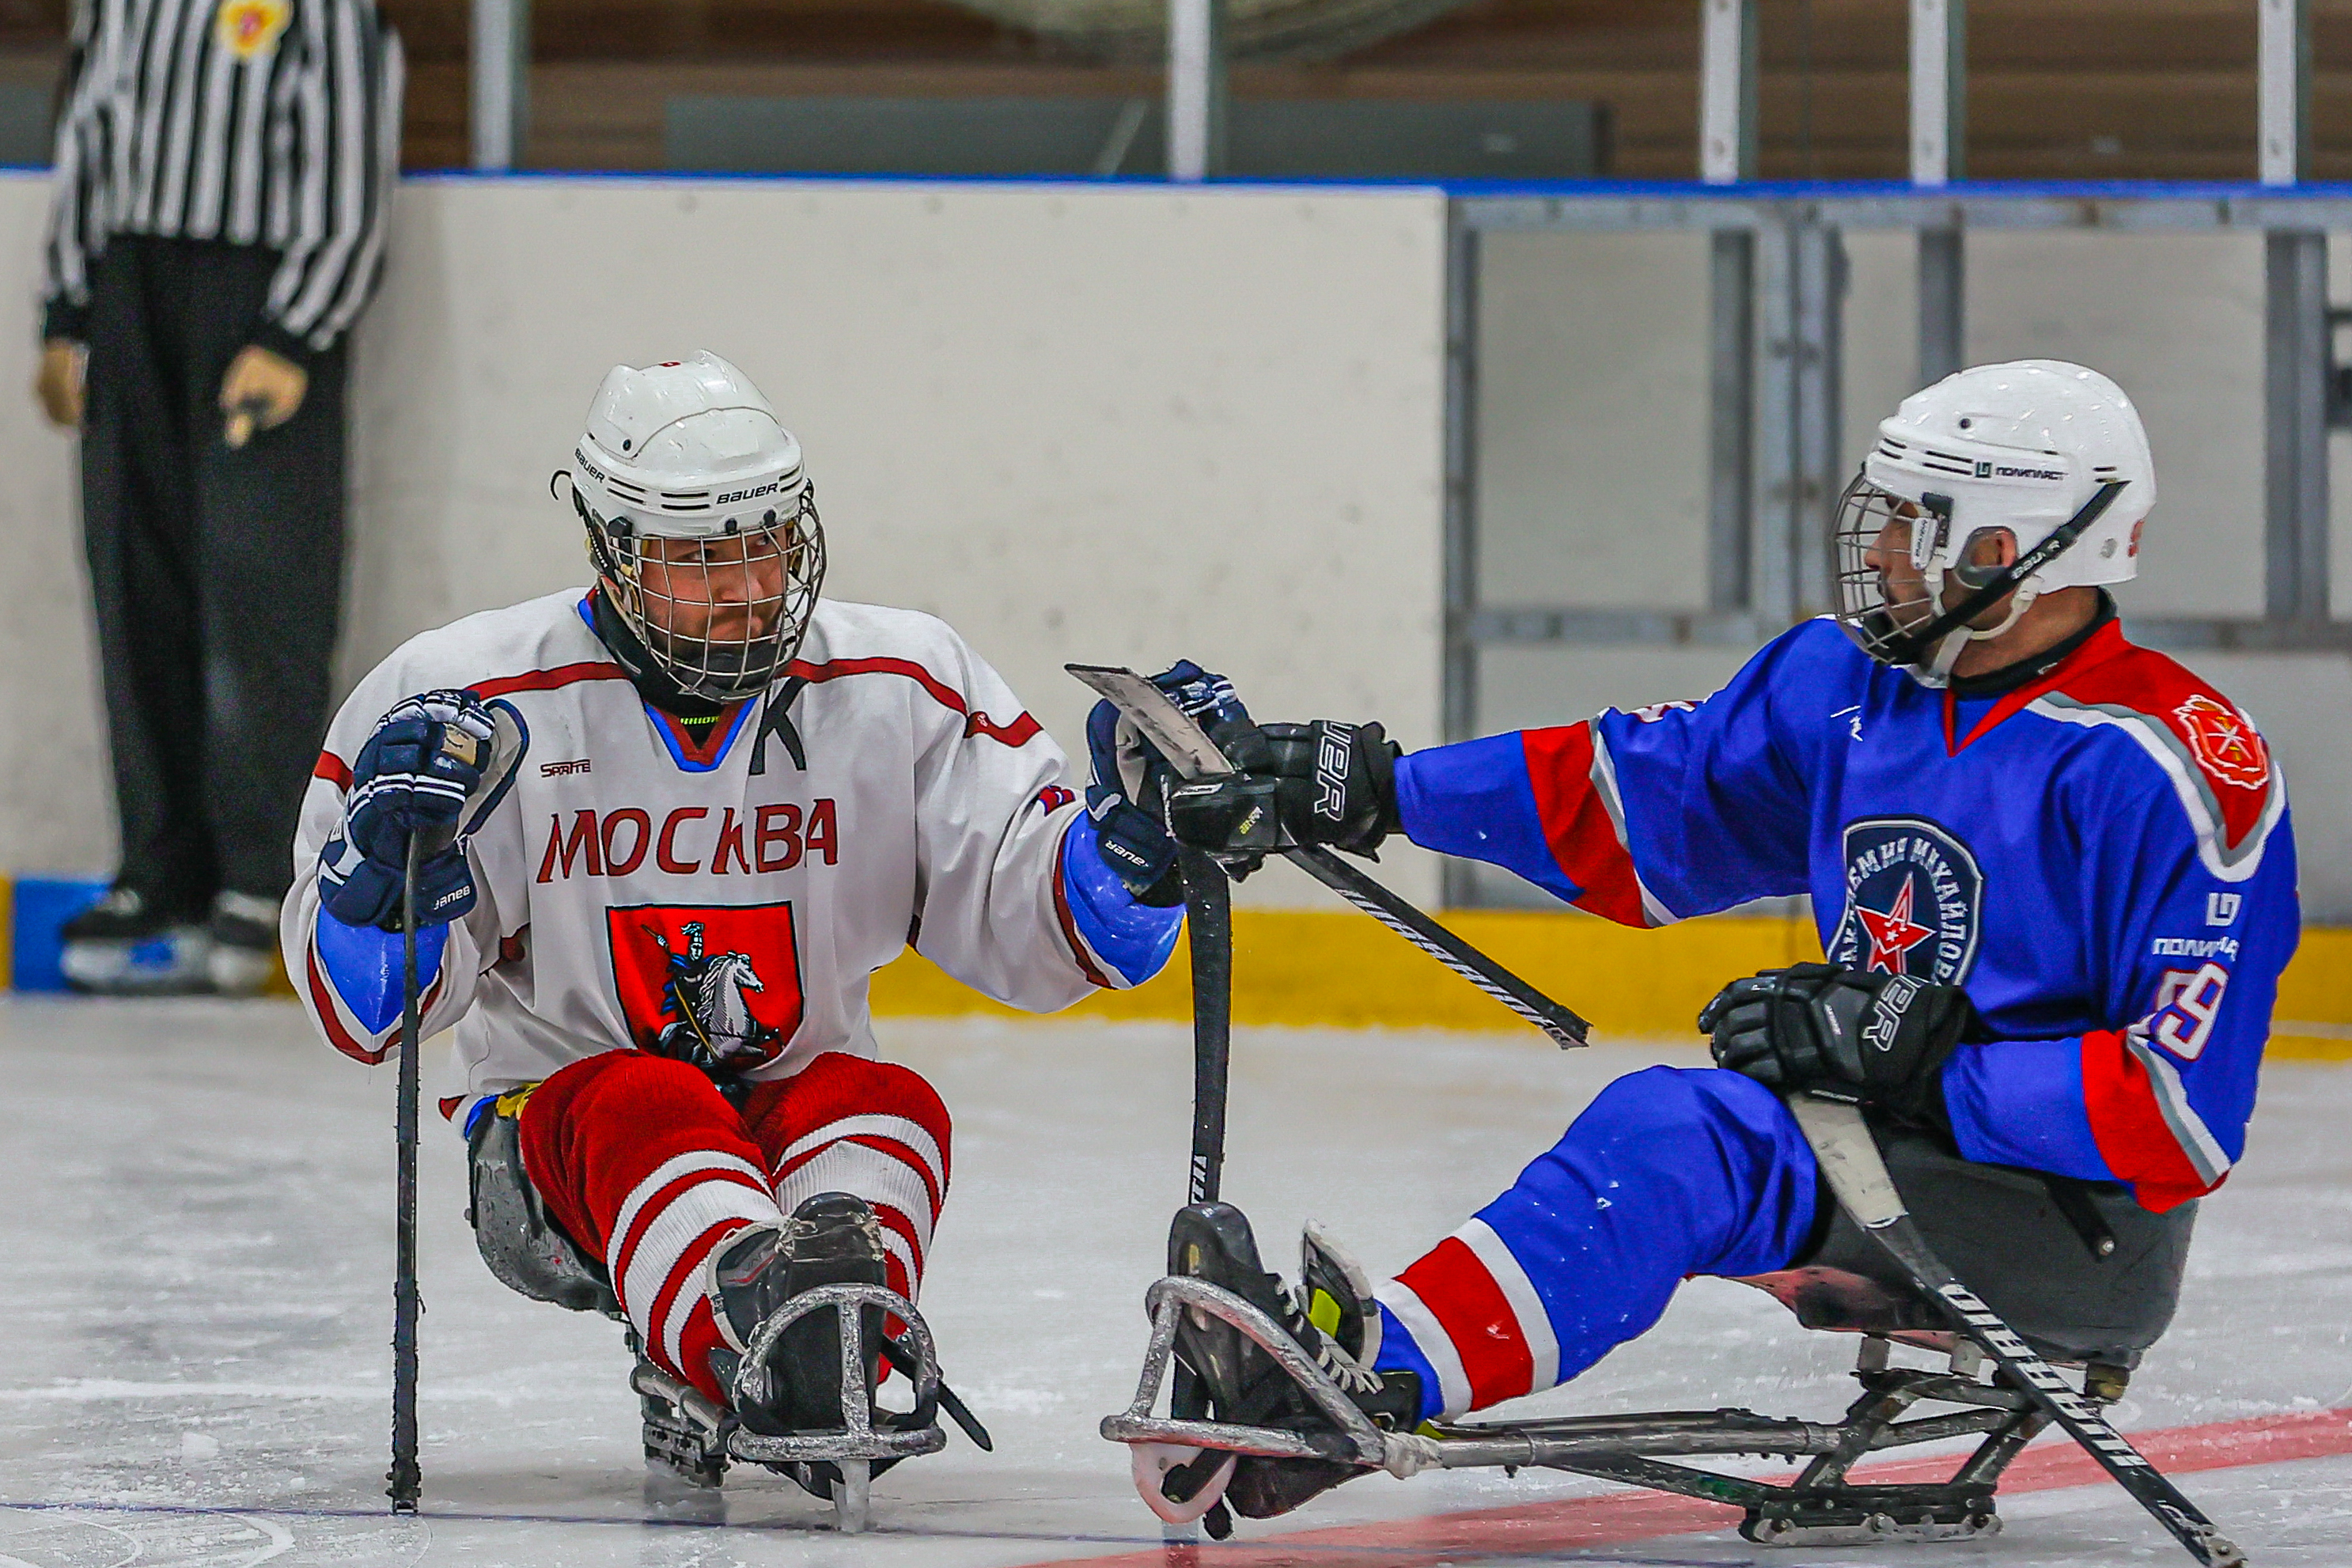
(2102, 858)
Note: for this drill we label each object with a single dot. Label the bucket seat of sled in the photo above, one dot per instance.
(2006, 1233)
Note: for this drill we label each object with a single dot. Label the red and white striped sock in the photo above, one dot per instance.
(661, 1245)
(875, 1130)
(639, 1159)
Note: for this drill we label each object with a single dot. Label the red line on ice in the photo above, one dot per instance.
(1614, 1518)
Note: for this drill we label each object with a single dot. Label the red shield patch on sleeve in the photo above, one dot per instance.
(2224, 745)
(729, 974)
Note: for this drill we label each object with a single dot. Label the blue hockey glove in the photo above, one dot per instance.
(1127, 795)
(1879, 1040)
(411, 778)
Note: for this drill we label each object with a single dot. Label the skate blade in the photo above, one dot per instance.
(1152, 1462)
(1877, 1529)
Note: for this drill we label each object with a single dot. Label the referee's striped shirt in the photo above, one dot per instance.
(270, 123)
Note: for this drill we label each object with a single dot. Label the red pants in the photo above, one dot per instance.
(643, 1162)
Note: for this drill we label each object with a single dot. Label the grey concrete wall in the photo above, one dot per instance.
(1592, 457)
(1109, 424)
(55, 805)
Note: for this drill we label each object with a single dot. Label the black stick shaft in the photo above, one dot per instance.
(1440, 945)
(1209, 927)
(1848, 1154)
(2081, 1420)
(406, 1476)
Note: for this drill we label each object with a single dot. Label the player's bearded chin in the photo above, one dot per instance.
(714, 611)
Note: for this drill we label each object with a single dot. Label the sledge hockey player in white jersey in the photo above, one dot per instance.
(2053, 878)
(668, 827)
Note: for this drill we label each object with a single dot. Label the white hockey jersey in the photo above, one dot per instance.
(891, 790)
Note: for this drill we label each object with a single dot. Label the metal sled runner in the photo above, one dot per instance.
(1992, 1386)
(692, 1435)
(1821, 1508)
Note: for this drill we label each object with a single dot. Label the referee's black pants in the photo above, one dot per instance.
(217, 573)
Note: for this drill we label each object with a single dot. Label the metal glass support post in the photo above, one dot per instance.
(1943, 293)
(498, 69)
(1938, 142)
(1800, 307)
(2296, 336)
(1726, 92)
(1196, 89)
(1771, 566)
(1458, 675)
(1726, 155)
(2295, 359)
(1817, 367)
(2282, 88)
(1731, 418)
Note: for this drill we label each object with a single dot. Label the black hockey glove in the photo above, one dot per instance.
(1329, 783)
(1127, 795)
(1880, 1039)
(412, 777)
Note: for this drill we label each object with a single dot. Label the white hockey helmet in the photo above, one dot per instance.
(2050, 452)
(689, 451)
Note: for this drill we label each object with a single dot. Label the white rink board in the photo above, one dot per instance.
(1109, 424)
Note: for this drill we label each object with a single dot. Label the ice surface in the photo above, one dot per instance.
(194, 1309)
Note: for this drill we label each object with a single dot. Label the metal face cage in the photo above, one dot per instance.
(722, 613)
(1889, 629)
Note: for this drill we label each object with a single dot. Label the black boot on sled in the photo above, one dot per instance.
(1334, 1320)
(831, 1239)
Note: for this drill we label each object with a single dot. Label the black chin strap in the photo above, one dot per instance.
(1913, 646)
(2034, 667)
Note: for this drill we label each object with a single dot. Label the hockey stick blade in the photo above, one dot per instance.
(1856, 1173)
(1183, 742)
(1193, 755)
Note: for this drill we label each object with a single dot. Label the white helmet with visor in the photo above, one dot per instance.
(702, 522)
(2050, 453)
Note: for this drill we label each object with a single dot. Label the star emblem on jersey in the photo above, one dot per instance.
(1914, 897)
(728, 976)
(249, 27)
(1893, 932)
(2224, 743)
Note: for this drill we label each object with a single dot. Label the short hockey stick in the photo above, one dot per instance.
(1848, 1158)
(498, 762)
(1193, 755)
(1209, 930)
(406, 1476)
(1440, 945)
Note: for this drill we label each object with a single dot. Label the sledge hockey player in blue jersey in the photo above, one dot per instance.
(2055, 882)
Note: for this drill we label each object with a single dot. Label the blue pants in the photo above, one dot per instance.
(1669, 1172)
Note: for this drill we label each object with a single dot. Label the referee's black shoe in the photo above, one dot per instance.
(132, 942)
